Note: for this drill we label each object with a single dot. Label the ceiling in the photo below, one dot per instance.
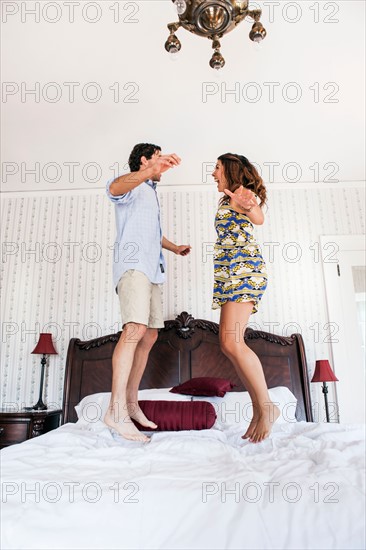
(295, 107)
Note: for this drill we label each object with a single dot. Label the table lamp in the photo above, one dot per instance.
(44, 347)
(323, 373)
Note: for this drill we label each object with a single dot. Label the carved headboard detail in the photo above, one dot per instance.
(187, 348)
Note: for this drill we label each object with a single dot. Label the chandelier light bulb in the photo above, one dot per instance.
(180, 6)
(173, 58)
(257, 45)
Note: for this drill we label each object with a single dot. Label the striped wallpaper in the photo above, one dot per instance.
(56, 271)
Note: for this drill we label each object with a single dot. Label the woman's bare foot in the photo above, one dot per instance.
(125, 428)
(136, 414)
(264, 422)
(256, 414)
(248, 434)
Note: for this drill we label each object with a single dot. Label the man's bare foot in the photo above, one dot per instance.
(267, 417)
(125, 428)
(136, 414)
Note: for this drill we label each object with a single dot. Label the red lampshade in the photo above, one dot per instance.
(45, 344)
(323, 372)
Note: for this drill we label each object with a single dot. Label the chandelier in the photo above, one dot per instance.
(212, 19)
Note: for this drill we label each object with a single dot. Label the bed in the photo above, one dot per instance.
(82, 487)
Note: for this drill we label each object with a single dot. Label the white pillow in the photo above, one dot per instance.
(161, 394)
(235, 408)
(286, 402)
(92, 408)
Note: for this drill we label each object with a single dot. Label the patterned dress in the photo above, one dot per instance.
(239, 269)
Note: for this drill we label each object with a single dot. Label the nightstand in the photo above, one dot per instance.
(21, 425)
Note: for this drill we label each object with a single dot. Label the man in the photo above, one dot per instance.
(138, 274)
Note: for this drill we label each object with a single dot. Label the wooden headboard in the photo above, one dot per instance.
(187, 348)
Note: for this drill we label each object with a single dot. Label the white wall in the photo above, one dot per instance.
(310, 153)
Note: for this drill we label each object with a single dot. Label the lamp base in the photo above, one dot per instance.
(325, 392)
(40, 406)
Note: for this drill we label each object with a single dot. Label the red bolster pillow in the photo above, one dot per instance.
(173, 416)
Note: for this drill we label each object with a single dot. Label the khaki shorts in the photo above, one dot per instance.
(141, 301)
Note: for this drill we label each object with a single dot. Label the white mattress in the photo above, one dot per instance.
(303, 488)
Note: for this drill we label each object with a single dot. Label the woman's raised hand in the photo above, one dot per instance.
(244, 197)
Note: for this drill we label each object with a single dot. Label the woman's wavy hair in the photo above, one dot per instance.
(239, 171)
(141, 150)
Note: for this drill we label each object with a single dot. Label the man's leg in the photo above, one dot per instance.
(139, 363)
(117, 416)
(134, 292)
(142, 354)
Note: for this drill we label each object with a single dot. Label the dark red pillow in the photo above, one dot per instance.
(205, 386)
(173, 416)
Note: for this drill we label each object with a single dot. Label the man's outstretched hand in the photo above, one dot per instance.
(164, 162)
(183, 250)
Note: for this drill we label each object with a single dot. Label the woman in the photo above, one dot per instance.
(240, 279)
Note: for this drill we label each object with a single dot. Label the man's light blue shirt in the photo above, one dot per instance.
(139, 234)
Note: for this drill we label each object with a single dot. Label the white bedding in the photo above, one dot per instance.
(171, 491)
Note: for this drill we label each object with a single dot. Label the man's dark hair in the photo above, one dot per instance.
(141, 150)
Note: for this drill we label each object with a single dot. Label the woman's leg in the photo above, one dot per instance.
(233, 322)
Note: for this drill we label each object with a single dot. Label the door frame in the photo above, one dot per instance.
(345, 358)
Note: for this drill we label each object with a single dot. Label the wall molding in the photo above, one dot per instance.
(275, 186)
